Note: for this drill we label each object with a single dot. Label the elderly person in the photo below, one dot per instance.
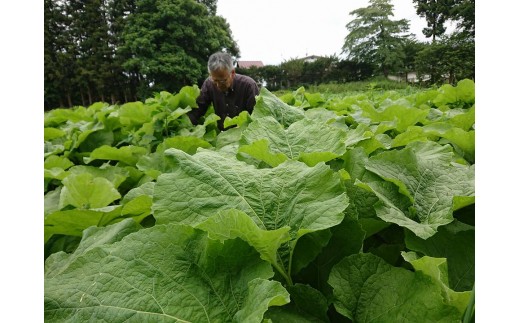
(230, 93)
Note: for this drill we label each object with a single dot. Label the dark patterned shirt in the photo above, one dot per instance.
(239, 97)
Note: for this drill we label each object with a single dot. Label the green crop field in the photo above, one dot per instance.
(317, 207)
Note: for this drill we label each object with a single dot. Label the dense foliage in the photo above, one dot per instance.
(124, 50)
(314, 208)
(436, 13)
(376, 39)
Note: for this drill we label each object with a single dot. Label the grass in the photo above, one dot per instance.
(375, 85)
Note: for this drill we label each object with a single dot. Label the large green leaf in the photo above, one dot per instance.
(268, 104)
(348, 278)
(230, 224)
(56, 117)
(51, 133)
(361, 201)
(84, 191)
(462, 140)
(346, 239)
(115, 174)
(462, 118)
(305, 140)
(73, 222)
(460, 96)
(135, 114)
(456, 243)
(401, 111)
(307, 305)
(185, 143)
(304, 198)
(437, 268)
(55, 166)
(128, 154)
(369, 290)
(425, 185)
(187, 96)
(260, 150)
(167, 273)
(92, 237)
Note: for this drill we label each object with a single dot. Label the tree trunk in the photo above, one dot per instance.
(82, 98)
(89, 95)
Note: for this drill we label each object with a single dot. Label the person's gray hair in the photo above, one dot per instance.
(220, 61)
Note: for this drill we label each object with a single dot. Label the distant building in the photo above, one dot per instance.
(311, 59)
(410, 77)
(249, 64)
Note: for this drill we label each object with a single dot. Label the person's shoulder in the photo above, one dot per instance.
(207, 82)
(245, 79)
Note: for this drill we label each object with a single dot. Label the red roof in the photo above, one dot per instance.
(248, 64)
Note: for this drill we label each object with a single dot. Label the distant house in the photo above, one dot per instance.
(249, 64)
(310, 59)
(410, 77)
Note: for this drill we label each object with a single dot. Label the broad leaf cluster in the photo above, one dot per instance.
(311, 209)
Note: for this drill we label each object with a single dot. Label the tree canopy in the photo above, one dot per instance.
(121, 50)
(376, 39)
(464, 13)
(436, 13)
(163, 43)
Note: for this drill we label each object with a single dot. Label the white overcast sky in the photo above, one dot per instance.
(272, 31)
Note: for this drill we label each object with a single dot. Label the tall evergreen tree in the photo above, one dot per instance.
(436, 13)
(94, 59)
(123, 84)
(52, 74)
(374, 38)
(60, 53)
(464, 13)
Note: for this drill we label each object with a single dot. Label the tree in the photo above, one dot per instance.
(123, 50)
(464, 13)
(451, 59)
(411, 49)
(211, 4)
(318, 71)
(272, 76)
(53, 45)
(95, 57)
(374, 38)
(122, 86)
(253, 72)
(436, 13)
(168, 43)
(292, 71)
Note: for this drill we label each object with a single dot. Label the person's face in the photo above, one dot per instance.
(222, 79)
